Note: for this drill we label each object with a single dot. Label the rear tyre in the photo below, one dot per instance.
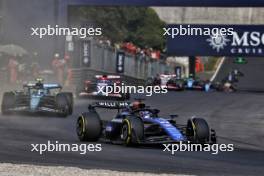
(132, 131)
(198, 130)
(63, 104)
(89, 127)
(8, 102)
(69, 96)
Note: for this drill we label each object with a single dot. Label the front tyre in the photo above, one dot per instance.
(63, 104)
(132, 131)
(198, 130)
(70, 100)
(89, 127)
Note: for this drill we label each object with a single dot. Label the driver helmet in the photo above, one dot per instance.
(39, 82)
(137, 105)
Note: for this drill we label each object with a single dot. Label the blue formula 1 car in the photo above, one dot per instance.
(138, 124)
(36, 98)
(196, 84)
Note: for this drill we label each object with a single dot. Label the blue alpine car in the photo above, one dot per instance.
(137, 124)
(194, 84)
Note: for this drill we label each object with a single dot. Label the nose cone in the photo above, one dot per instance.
(34, 102)
(190, 84)
(207, 87)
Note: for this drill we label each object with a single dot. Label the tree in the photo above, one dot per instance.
(139, 25)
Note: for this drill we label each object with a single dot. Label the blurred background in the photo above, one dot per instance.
(133, 32)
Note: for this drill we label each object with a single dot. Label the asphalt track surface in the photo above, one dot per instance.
(238, 118)
(253, 80)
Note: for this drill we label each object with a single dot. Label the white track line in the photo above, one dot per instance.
(218, 69)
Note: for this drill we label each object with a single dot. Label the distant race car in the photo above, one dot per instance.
(196, 84)
(159, 79)
(91, 88)
(175, 84)
(229, 83)
(224, 86)
(38, 97)
(233, 76)
(137, 124)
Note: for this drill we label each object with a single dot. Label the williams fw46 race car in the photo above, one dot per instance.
(38, 98)
(137, 124)
(96, 88)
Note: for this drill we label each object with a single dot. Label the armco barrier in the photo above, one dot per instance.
(141, 73)
(137, 68)
(80, 75)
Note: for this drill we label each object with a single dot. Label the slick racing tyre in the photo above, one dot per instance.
(63, 104)
(198, 130)
(132, 131)
(69, 96)
(89, 127)
(8, 102)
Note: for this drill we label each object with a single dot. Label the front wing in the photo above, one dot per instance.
(27, 109)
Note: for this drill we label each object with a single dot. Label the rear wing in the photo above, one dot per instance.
(108, 76)
(109, 105)
(42, 86)
(167, 76)
(52, 86)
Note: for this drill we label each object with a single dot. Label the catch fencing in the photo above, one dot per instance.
(103, 60)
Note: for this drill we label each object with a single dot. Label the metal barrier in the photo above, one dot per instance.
(103, 61)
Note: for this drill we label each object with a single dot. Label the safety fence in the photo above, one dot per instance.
(103, 60)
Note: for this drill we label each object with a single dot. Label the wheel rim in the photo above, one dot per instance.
(79, 128)
(125, 132)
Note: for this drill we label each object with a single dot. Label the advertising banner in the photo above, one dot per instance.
(202, 40)
(86, 53)
(120, 62)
